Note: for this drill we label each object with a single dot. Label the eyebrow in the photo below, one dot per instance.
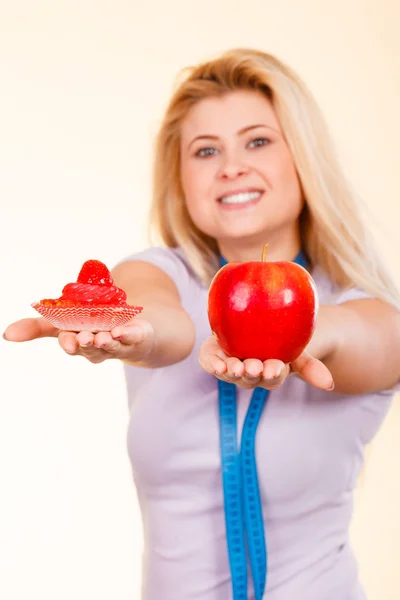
(209, 136)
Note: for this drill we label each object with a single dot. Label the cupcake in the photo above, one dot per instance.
(92, 303)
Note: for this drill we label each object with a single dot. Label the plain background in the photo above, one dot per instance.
(83, 87)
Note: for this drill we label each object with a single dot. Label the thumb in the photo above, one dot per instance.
(29, 329)
(313, 371)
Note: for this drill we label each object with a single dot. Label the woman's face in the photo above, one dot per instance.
(237, 173)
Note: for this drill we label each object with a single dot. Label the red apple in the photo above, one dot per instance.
(263, 309)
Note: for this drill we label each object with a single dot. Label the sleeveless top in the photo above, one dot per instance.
(309, 448)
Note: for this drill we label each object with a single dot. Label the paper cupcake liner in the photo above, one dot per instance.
(88, 318)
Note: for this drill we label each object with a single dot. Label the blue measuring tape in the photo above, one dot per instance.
(242, 503)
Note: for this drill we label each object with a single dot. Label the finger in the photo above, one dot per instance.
(104, 341)
(211, 346)
(30, 329)
(212, 358)
(90, 344)
(253, 369)
(68, 342)
(216, 366)
(96, 347)
(235, 368)
(313, 371)
(275, 372)
(232, 372)
(129, 334)
(273, 368)
(85, 338)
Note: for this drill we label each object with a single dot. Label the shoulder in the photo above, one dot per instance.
(331, 293)
(175, 264)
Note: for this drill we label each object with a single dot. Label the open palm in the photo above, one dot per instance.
(270, 374)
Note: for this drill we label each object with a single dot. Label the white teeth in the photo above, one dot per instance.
(240, 198)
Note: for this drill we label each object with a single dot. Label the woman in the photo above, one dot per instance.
(243, 158)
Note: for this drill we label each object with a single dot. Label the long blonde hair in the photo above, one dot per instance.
(334, 234)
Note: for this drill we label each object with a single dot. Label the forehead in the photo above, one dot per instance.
(227, 114)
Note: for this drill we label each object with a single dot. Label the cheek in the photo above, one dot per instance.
(190, 180)
(286, 180)
(196, 182)
(288, 172)
(194, 187)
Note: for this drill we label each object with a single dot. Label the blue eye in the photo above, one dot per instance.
(205, 152)
(260, 141)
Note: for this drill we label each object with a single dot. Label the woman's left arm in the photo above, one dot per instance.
(359, 342)
(355, 349)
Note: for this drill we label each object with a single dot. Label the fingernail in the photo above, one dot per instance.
(5, 337)
(277, 374)
(274, 374)
(332, 387)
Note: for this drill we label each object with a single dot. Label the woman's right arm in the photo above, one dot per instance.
(163, 334)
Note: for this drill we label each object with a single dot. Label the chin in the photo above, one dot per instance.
(246, 230)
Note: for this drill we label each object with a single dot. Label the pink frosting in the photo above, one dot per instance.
(93, 294)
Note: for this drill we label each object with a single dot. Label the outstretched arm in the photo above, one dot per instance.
(355, 349)
(163, 334)
(365, 345)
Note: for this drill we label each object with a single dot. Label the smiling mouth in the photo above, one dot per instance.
(239, 198)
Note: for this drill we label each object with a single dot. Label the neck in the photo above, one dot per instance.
(279, 248)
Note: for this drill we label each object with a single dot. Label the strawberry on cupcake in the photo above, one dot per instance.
(91, 303)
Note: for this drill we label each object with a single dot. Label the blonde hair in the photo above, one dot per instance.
(334, 234)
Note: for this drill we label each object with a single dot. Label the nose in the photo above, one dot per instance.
(232, 167)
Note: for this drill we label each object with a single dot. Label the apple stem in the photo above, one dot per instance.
(264, 252)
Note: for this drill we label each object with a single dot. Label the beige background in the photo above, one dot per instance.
(83, 85)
